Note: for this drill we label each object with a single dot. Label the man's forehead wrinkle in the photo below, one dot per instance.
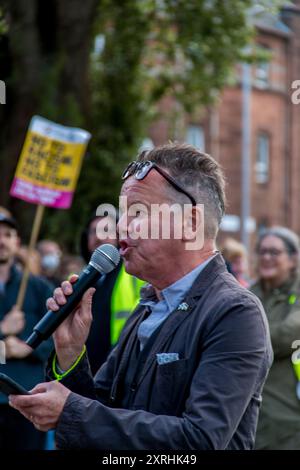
(152, 184)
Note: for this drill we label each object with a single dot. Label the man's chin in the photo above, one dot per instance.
(129, 267)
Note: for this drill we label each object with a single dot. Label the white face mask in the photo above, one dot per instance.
(50, 262)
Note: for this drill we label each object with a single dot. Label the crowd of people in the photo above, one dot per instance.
(210, 377)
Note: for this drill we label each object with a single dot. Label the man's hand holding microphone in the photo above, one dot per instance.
(70, 337)
(69, 319)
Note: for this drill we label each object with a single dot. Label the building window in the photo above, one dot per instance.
(195, 136)
(262, 78)
(263, 70)
(262, 226)
(262, 165)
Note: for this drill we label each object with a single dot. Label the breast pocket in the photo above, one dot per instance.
(169, 387)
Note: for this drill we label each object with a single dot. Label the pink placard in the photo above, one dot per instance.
(39, 195)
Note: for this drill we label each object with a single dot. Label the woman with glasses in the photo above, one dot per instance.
(278, 288)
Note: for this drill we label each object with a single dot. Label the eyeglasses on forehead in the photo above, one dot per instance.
(141, 169)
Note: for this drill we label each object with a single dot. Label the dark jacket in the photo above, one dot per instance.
(29, 371)
(279, 420)
(208, 399)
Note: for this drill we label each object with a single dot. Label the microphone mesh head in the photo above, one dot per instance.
(105, 258)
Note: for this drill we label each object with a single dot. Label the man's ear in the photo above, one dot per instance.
(193, 227)
(193, 221)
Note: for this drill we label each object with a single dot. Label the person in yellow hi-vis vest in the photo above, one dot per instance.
(278, 287)
(116, 296)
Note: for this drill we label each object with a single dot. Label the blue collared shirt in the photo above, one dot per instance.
(172, 296)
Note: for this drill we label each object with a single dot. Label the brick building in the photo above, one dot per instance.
(274, 131)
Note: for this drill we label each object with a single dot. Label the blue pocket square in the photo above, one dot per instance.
(165, 358)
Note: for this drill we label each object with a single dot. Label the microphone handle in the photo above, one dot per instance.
(51, 320)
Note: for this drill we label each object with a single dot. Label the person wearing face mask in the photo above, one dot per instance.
(50, 253)
(278, 287)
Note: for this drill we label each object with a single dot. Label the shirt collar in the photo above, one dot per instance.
(174, 293)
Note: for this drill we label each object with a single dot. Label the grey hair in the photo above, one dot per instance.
(198, 173)
(289, 238)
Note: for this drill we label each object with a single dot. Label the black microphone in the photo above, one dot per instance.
(104, 259)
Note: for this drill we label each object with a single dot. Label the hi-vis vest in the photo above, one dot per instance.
(296, 363)
(124, 299)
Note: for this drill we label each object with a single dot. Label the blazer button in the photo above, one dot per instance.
(133, 387)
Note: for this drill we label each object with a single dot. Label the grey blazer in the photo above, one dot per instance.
(208, 398)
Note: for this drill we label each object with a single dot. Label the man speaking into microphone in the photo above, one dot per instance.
(191, 362)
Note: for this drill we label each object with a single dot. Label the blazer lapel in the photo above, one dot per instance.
(125, 350)
(174, 320)
(169, 327)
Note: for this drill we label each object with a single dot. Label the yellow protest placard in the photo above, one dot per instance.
(49, 164)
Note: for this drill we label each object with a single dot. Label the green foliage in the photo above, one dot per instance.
(197, 43)
(119, 112)
(3, 23)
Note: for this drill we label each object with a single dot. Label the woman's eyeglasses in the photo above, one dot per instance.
(272, 252)
(141, 169)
